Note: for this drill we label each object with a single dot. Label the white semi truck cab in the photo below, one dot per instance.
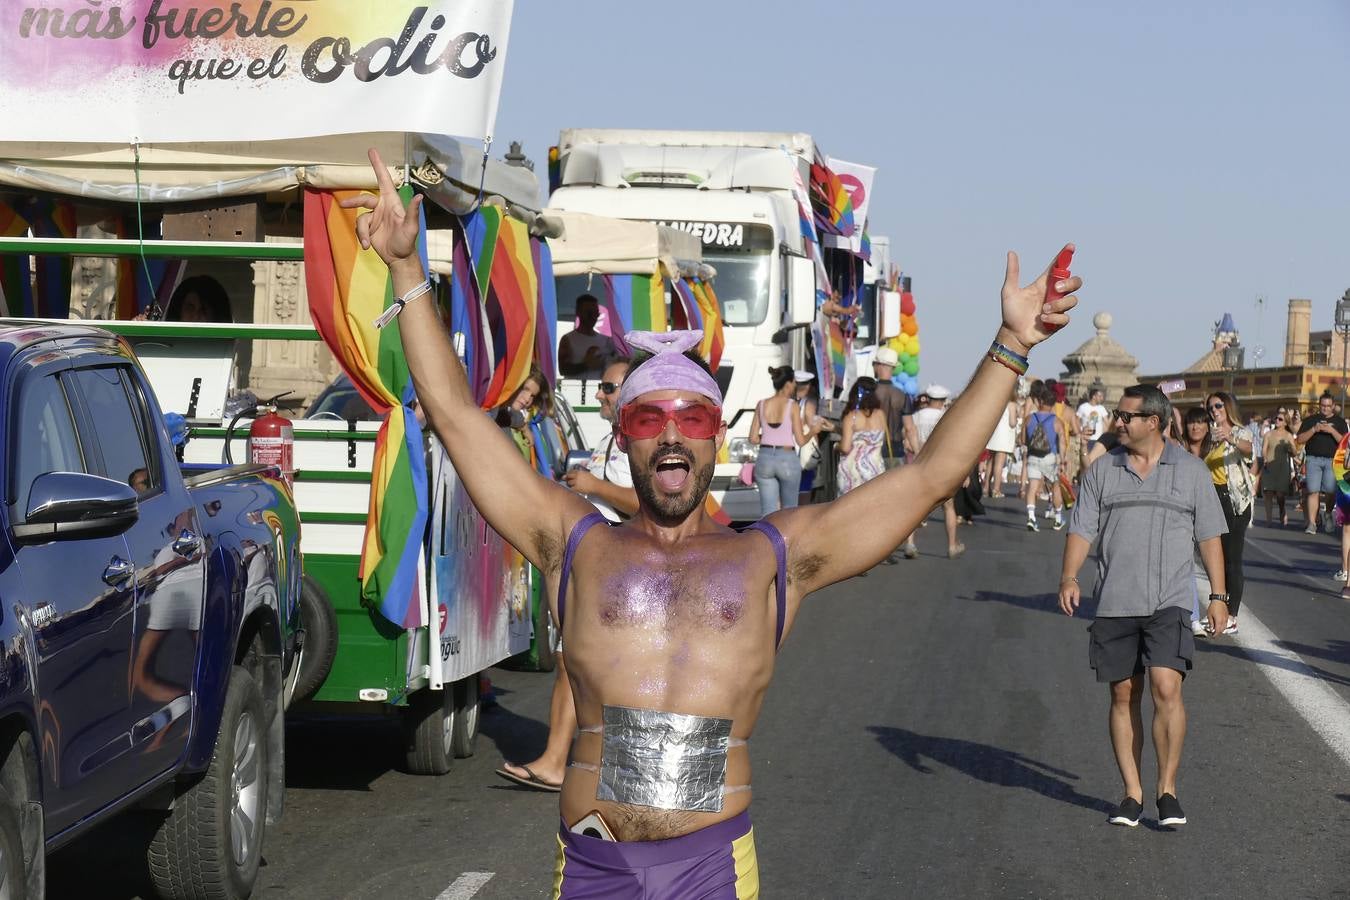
(734, 191)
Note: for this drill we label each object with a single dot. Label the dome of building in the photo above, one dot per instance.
(1100, 361)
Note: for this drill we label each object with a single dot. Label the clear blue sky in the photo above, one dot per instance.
(1196, 151)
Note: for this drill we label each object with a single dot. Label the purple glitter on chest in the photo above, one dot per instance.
(713, 597)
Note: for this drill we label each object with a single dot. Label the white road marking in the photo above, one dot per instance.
(465, 886)
(1311, 697)
(1315, 700)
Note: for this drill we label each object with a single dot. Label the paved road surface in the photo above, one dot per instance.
(933, 730)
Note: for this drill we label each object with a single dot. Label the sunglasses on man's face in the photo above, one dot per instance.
(1128, 417)
(608, 387)
(696, 421)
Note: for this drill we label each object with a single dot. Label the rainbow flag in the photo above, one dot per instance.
(831, 202)
(820, 346)
(839, 349)
(348, 289)
(15, 282)
(554, 169)
(511, 301)
(639, 300)
(698, 307)
(46, 293)
(135, 292)
(685, 314)
(467, 318)
(714, 341)
(715, 511)
(546, 316)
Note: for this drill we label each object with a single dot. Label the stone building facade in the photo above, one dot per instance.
(1101, 361)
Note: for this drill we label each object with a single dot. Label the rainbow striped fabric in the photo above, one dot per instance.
(840, 348)
(348, 288)
(639, 301)
(47, 294)
(141, 284)
(497, 309)
(16, 291)
(699, 308)
(831, 202)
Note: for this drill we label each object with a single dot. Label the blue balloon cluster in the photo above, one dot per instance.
(907, 383)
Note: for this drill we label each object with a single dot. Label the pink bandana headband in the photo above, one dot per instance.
(668, 369)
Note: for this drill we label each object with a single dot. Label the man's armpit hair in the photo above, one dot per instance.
(806, 567)
(549, 548)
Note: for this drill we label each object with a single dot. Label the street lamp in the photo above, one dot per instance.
(1343, 328)
(1233, 356)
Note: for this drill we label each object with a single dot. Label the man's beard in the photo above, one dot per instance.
(664, 508)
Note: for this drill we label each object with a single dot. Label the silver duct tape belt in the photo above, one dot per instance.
(663, 760)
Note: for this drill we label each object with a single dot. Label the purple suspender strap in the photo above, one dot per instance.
(780, 553)
(584, 524)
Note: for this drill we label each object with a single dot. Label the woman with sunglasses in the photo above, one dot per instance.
(1229, 459)
(1279, 455)
(778, 430)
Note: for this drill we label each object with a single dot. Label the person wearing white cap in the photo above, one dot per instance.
(896, 403)
(901, 437)
(925, 422)
(806, 397)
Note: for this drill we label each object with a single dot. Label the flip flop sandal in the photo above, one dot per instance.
(533, 782)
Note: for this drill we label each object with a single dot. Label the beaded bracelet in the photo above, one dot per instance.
(1009, 358)
(399, 302)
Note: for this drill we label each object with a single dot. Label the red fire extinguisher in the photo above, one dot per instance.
(271, 440)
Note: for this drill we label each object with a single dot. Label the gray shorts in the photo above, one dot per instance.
(1120, 647)
(1045, 468)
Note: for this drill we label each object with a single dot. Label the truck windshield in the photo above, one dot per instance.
(742, 285)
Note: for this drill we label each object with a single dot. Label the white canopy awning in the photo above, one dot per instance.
(603, 246)
(449, 170)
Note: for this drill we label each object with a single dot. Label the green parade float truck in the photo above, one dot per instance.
(234, 212)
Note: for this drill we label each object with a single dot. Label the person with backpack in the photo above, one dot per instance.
(1045, 443)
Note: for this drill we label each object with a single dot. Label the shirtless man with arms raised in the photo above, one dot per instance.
(671, 621)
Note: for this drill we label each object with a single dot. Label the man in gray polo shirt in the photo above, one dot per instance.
(1150, 503)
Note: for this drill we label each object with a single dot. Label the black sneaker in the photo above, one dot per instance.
(1128, 812)
(1169, 811)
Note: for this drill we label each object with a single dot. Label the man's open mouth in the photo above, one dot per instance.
(672, 471)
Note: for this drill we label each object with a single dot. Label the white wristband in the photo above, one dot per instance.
(399, 302)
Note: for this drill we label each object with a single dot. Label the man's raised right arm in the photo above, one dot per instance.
(532, 513)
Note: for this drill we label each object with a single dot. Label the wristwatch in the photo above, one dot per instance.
(1220, 598)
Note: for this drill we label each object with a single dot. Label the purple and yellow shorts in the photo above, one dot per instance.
(714, 863)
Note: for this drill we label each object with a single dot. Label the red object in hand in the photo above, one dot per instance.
(1058, 272)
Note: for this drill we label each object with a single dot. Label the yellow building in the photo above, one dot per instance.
(1312, 365)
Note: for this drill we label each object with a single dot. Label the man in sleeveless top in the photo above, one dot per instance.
(671, 621)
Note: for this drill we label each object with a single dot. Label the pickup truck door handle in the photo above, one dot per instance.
(119, 572)
(187, 543)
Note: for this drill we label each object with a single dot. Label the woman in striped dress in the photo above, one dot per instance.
(863, 438)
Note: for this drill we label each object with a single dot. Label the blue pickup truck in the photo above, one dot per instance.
(149, 623)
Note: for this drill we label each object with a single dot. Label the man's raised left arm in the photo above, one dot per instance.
(824, 541)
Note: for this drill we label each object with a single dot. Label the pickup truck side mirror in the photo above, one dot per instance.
(73, 505)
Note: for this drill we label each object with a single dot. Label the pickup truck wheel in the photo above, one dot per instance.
(464, 731)
(321, 639)
(12, 886)
(428, 727)
(210, 844)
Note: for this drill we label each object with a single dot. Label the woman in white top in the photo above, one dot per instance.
(1001, 443)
